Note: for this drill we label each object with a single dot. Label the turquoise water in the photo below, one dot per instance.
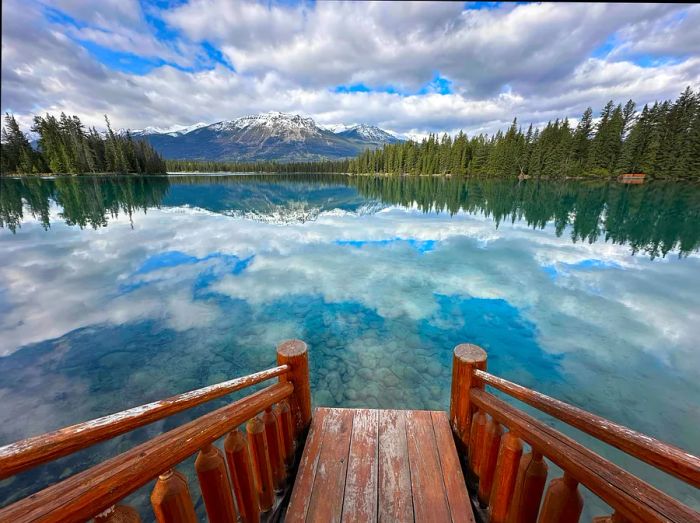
(118, 291)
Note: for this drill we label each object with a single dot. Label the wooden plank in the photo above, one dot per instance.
(33, 451)
(394, 477)
(87, 493)
(427, 486)
(304, 482)
(326, 503)
(455, 486)
(360, 502)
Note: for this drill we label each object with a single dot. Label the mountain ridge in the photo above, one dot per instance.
(265, 136)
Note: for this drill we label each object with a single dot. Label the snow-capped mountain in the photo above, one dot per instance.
(266, 136)
(369, 133)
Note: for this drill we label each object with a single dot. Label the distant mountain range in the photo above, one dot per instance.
(267, 136)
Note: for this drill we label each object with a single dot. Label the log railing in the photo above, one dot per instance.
(509, 484)
(251, 470)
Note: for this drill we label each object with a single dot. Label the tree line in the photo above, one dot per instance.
(662, 141)
(654, 219)
(66, 147)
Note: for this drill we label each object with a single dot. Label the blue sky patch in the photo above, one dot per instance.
(422, 246)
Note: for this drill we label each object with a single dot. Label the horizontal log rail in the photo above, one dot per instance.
(633, 498)
(665, 457)
(89, 492)
(33, 451)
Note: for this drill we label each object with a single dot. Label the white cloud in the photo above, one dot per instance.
(502, 63)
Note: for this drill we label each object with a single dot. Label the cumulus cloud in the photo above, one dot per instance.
(341, 62)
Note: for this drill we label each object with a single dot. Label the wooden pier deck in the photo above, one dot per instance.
(379, 465)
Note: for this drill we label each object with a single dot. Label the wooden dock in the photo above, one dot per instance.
(379, 465)
(353, 465)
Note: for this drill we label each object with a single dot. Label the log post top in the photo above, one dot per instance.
(292, 348)
(469, 353)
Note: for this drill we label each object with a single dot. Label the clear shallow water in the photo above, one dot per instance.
(117, 291)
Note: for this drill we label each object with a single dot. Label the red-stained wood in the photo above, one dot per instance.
(504, 477)
(632, 497)
(87, 493)
(529, 488)
(284, 419)
(259, 451)
(275, 449)
(563, 502)
(427, 486)
(360, 497)
(171, 499)
(304, 482)
(394, 476)
(295, 354)
(489, 453)
(465, 359)
(119, 514)
(396, 460)
(670, 459)
(326, 501)
(457, 496)
(476, 442)
(242, 476)
(33, 451)
(215, 486)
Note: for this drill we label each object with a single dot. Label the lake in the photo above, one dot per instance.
(116, 291)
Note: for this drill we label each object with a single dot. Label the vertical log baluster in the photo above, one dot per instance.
(476, 442)
(118, 514)
(295, 353)
(489, 452)
(504, 478)
(466, 357)
(615, 517)
(215, 486)
(529, 487)
(261, 462)
(284, 416)
(563, 502)
(275, 450)
(242, 476)
(171, 499)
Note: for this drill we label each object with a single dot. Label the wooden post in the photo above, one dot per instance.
(216, 489)
(476, 441)
(242, 476)
(284, 420)
(118, 514)
(466, 357)
(529, 486)
(171, 499)
(504, 478)
(275, 449)
(295, 353)
(563, 502)
(261, 462)
(489, 453)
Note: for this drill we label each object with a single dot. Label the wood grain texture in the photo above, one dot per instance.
(33, 451)
(457, 496)
(87, 493)
(465, 359)
(304, 482)
(295, 355)
(395, 503)
(360, 499)
(670, 459)
(427, 485)
(329, 484)
(633, 498)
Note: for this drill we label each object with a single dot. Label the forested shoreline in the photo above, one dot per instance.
(661, 141)
(65, 147)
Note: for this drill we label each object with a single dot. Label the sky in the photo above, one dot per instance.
(410, 68)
